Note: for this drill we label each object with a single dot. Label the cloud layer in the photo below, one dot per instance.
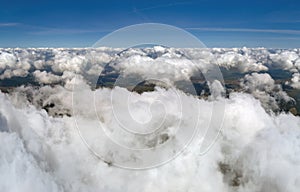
(41, 150)
(175, 64)
(255, 152)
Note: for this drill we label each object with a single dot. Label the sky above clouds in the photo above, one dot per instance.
(274, 24)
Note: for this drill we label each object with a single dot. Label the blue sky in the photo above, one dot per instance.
(256, 23)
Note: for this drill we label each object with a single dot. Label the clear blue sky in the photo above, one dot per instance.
(58, 23)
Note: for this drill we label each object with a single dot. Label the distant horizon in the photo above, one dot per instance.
(82, 43)
(258, 47)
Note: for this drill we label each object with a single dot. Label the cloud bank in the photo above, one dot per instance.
(175, 64)
(41, 150)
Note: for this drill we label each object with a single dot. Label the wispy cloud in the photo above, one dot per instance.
(163, 5)
(141, 14)
(40, 30)
(61, 31)
(285, 21)
(280, 31)
(8, 24)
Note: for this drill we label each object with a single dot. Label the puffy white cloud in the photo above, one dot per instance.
(7, 60)
(64, 60)
(45, 77)
(295, 81)
(19, 167)
(297, 64)
(263, 87)
(174, 64)
(217, 89)
(40, 151)
(260, 148)
(11, 65)
(243, 63)
(162, 68)
(284, 59)
(255, 152)
(259, 82)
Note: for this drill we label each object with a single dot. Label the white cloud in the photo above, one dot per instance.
(8, 24)
(263, 87)
(284, 60)
(280, 31)
(45, 153)
(45, 77)
(174, 64)
(41, 151)
(295, 81)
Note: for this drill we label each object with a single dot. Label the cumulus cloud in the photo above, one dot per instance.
(295, 81)
(45, 77)
(243, 63)
(259, 155)
(263, 87)
(146, 62)
(257, 150)
(217, 89)
(48, 152)
(162, 68)
(284, 59)
(55, 62)
(11, 65)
